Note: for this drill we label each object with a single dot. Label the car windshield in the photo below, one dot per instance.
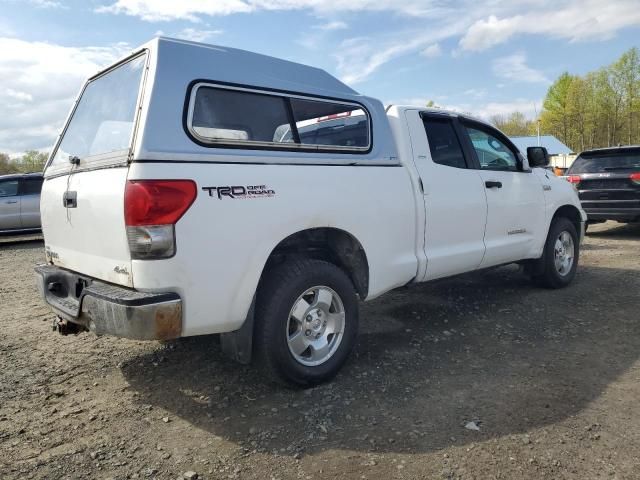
(103, 120)
(605, 163)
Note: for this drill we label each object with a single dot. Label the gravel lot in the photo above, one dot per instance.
(550, 378)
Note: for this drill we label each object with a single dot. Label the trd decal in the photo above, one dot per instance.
(240, 191)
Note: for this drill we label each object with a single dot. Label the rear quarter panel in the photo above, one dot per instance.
(223, 244)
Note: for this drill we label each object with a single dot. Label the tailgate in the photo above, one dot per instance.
(88, 234)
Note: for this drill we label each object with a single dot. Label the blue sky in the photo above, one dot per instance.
(480, 56)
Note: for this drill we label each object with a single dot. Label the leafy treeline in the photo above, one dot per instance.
(515, 124)
(31, 161)
(599, 109)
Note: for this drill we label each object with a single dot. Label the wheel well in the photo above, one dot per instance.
(329, 244)
(572, 214)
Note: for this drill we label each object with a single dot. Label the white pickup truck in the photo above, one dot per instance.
(206, 190)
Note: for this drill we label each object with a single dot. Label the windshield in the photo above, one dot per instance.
(609, 163)
(103, 120)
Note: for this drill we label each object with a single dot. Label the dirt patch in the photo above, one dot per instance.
(550, 378)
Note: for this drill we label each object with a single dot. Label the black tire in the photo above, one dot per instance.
(547, 274)
(277, 294)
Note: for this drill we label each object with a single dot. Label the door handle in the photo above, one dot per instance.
(492, 184)
(9, 202)
(70, 199)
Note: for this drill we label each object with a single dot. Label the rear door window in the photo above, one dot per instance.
(605, 163)
(444, 143)
(31, 186)
(226, 116)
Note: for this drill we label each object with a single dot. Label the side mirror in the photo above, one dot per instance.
(537, 156)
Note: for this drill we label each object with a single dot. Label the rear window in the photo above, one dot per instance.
(605, 163)
(102, 123)
(229, 116)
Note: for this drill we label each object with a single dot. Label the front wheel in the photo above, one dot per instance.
(306, 321)
(559, 261)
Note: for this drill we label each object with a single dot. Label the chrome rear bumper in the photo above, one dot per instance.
(107, 309)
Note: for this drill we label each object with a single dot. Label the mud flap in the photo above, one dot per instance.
(238, 345)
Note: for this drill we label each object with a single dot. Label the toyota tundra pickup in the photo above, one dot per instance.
(206, 190)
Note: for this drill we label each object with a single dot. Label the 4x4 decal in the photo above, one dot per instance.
(240, 191)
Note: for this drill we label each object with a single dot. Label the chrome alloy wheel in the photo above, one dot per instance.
(564, 252)
(316, 326)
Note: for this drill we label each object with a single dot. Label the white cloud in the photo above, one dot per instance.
(46, 4)
(487, 33)
(478, 24)
(334, 25)
(196, 35)
(359, 57)
(38, 3)
(575, 20)
(193, 10)
(432, 51)
(514, 67)
(319, 35)
(38, 83)
(475, 92)
(487, 110)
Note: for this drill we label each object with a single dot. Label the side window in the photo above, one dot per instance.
(220, 115)
(444, 143)
(330, 124)
(493, 154)
(31, 186)
(8, 188)
(231, 116)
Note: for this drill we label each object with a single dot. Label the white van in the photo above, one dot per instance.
(200, 190)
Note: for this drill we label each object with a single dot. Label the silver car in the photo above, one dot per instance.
(20, 202)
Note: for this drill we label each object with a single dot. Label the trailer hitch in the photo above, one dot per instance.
(63, 327)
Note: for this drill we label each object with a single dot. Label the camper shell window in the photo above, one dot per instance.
(234, 116)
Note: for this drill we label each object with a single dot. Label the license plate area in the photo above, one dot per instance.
(62, 289)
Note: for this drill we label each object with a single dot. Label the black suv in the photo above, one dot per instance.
(608, 182)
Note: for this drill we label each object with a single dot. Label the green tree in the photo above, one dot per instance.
(599, 109)
(626, 78)
(33, 161)
(555, 113)
(7, 165)
(514, 124)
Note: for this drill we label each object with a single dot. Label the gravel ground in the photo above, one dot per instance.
(550, 379)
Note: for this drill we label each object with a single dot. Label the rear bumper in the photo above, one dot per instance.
(620, 214)
(108, 309)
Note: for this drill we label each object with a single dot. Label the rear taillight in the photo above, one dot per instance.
(151, 209)
(574, 179)
(635, 178)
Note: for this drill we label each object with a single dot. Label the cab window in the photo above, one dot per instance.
(492, 152)
(444, 143)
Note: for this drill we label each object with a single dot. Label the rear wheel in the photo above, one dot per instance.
(306, 321)
(559, 261)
